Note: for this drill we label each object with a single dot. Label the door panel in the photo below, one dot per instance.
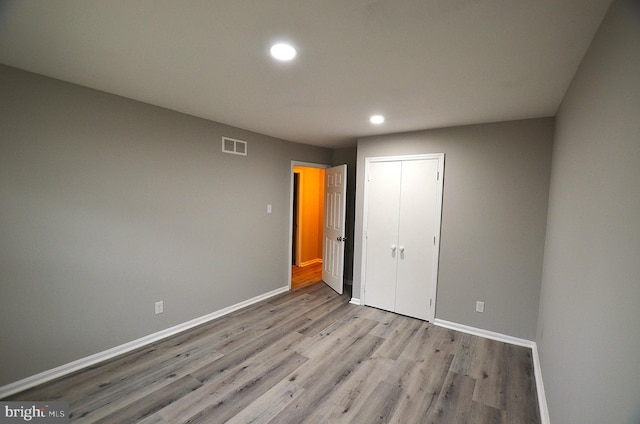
(383, 189)
(333, 232)
(417, 230)
(401, 234)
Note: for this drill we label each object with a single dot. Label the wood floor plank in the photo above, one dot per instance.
(422, 383)
(465, 352)
(224, 404)
(303, 313)
(422, 343)
(380, 406)
(320, 378)
(335, 337)
(326, 316)
(484, 414)
(454, 402)
(250, 349)
(522, 400)
(254, 353)
(302, 276)
(141, 408)
(267, 406)
(306, 356)
(356, 390)
(139, 384)
(83, 383)
(398, 339)
(387, 325)
(448, 341)
(229, 375)
(487, 367)
(153, 419)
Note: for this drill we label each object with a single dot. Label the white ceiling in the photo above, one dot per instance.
(421, 63)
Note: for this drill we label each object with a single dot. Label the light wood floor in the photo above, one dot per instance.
(302, 276)
(307, 356)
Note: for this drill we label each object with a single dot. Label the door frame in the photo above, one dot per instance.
(295, 221)
(439, 194)
(291, 176)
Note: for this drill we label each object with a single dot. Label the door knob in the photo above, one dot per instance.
(401, 248)
(393, 247)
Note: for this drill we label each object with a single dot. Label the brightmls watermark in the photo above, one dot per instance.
(34, 412)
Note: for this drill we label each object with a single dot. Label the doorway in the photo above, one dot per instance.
(307, 213)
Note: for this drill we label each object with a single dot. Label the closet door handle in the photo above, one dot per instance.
(401, 248)
(393, 247)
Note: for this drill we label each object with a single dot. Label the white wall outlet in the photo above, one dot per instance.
(159, 307)
(269, 208)
(479, 306)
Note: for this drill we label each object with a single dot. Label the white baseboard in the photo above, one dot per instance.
(484, 333)
(355, 301)
(311, 262)
(81, 363)
(542, 397)
(542, 400)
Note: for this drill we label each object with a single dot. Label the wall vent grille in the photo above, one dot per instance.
(233, 146)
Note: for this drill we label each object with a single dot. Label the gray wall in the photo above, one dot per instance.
(493, 219)
(108, 205)
(588, 336)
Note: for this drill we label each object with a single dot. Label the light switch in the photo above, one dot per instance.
(269, 208)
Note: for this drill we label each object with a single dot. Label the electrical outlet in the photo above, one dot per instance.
(159, 307)
(479, 306)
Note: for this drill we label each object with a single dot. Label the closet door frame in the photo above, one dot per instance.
(439, 191)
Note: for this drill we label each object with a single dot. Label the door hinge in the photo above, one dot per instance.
(438, 175)
(431, 302)
(434, 240)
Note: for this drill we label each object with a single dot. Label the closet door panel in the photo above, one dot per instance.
(382, 234)
(417, 229)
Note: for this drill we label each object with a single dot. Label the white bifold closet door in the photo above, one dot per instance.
(402, 227)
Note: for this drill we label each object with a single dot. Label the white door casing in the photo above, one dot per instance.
(335, 190)
(403, 209)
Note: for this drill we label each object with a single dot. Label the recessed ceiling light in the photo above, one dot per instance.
(376, 119)
(283, 51)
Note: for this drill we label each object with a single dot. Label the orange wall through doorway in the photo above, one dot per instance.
(310, 215)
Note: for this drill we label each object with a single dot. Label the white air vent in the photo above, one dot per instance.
(233, 146)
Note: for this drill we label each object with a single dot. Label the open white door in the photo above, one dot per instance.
(335, 190)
